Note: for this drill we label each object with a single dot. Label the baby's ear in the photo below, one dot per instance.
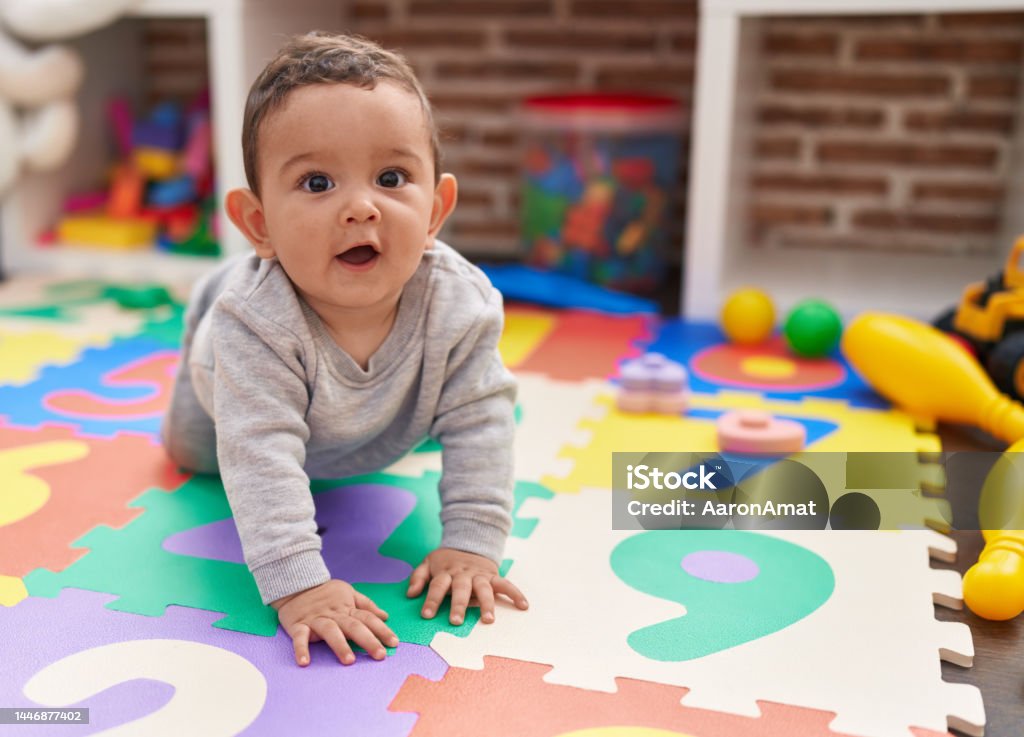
(246, 211)
(445, 195)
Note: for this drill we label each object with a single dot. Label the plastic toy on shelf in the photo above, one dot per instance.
(756, 432)
(160, 190)
(653, 383)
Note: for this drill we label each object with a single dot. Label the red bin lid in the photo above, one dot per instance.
(622, 111)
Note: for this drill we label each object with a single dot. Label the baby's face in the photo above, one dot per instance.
(347, 188)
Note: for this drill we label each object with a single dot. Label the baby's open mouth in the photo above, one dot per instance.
(359, 255)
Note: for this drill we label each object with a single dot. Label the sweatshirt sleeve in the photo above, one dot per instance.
(260, 402)
(475, 425)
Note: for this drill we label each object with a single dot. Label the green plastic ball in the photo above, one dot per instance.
(813, 328)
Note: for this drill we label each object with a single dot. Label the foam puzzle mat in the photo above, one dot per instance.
(123, 588)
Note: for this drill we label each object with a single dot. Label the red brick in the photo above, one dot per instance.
(966, 51)
(365, 10)
(821, 183)
(633, 9)
(505, 69)
(672, 79)
(988, 21)
(867, 242)
(960, 120)
(802, 44)
(820, 117)
(501, 138)
(501, 228)
(449, 101)
(990, 88)
(908, 154)
(958, 191)
(409, 38)
(570, 39)
(684, 41)
(860, 83)
(490, 166)
(940, 222)
(475, 197)
(777, 148)
(786, 214)
(480, 8)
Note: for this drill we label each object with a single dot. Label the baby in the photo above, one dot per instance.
(346, 339)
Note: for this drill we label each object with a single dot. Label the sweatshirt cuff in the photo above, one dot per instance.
(290, 575)
(471, 536)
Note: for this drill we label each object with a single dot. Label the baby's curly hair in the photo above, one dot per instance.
(324, 58)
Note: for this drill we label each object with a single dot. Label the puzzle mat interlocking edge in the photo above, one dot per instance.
(81, 386)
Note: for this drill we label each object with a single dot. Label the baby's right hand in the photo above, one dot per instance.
(334, 612)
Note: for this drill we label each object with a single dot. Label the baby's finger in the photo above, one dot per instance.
(485, 597)
(383, 632)
(507, 588)
(300, 641)
(361, 635)
(331, 633)
(462, 588)
(435, 594)
(366, 603)
(418, 580)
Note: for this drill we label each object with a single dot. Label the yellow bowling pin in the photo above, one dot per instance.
(925, 372)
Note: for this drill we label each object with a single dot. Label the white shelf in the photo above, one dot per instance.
(242, 35)
(142, 265)
(717, 254)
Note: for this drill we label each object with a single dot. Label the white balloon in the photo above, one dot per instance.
(48, 135)
(10, 158)
(47, 20)
(31, 78)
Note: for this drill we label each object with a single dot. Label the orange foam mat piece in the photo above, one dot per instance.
(509, 698)
(587, 345)
(57, 486)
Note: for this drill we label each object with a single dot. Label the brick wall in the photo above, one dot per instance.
(479, 58)
(871, 133)
(176, 61)
(885, 133)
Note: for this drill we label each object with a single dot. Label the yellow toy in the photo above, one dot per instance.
(927, 373)
(748, 316)
(990, 318)
(923, 370)
(107, 232)
(994, 586)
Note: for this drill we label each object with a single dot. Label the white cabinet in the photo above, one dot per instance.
(242, 35)
(717, 257)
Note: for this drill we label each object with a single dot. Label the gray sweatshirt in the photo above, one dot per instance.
(288, 404)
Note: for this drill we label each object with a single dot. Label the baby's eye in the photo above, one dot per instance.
(317, 183)
(392, 178)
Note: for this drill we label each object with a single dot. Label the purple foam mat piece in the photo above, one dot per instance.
(325, 698)
(356, 520)
(720, 566)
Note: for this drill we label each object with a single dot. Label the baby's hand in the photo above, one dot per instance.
(465, 574)
(334, 612)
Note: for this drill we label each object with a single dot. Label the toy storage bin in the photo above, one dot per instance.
(599, 172)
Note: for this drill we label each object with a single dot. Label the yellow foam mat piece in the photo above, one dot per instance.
(12, 590)
(22, 354)
(523, 333)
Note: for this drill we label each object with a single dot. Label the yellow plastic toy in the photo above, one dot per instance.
(156, 163)
(748, 317)
(107, 232)
(994, 586)
(990, 318)
(924, 371)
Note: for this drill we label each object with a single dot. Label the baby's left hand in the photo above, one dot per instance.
(466, 575)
